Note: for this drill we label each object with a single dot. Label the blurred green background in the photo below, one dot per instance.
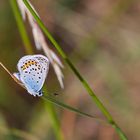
(102, 38)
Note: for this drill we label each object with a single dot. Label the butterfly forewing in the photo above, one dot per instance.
(44, 62)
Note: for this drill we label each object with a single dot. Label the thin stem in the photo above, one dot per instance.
(51, 99)
(12, 76)
(77, 73)
(21, 27)
(17, 132)
(56, 124)
(29, 50)
(70, 108)
(54, 119)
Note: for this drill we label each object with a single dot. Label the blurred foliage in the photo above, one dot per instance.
(102, 39)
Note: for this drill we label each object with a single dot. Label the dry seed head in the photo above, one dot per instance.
(40, 41)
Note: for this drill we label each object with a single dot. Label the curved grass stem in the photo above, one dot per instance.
(51, 99)
(76, 72)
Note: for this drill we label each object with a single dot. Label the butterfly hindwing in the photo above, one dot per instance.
(33, 72)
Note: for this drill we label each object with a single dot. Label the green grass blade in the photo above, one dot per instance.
(83, 81)
(29, 50)
(55, 122)
(65, 106)
(21, 27)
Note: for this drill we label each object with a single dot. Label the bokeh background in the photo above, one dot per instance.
(102, 38)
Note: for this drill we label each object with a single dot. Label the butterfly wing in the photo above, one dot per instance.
(44, 62)
(32, 74)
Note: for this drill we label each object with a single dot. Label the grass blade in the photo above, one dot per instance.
(76, 72)
(65, 106)
(29, 50)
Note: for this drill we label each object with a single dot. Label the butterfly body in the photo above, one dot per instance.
(33, 70)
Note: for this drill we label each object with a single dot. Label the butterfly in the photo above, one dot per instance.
(33, 70)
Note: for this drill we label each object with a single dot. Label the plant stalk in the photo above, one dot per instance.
(29, 50)
(76, 72)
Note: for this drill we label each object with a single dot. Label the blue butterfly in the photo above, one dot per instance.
(33, 70)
